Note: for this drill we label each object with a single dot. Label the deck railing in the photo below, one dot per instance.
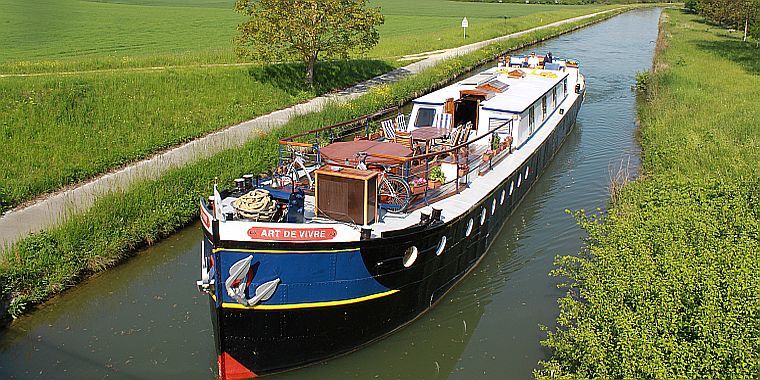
(464, 155)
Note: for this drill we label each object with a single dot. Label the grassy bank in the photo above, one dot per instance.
(668, 285)
(119, 224)
(57, 130)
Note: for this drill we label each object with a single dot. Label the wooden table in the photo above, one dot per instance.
(428, 134)
(345, 152)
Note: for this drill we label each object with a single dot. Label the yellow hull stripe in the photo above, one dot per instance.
(283, 251)
(229, 305)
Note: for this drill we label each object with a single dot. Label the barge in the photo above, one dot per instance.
(366, 224)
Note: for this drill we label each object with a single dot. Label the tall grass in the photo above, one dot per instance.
(668, 285)
(118, 224)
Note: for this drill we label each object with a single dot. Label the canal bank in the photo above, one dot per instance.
(120, 223)
(146, 319)
(667, 286)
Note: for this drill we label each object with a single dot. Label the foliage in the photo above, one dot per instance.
(436, 174)
(741, 14)
(642, 82)
(667, 286)
(306, 30)
(117, 225)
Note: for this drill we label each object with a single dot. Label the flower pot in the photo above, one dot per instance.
(417, 190)
(433, 184)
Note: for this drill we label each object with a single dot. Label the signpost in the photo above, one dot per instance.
(465, 24)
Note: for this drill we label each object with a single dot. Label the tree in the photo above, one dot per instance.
(306, 30)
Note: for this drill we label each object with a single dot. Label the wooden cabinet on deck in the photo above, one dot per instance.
(348, 195)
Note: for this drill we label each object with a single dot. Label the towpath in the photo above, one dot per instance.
(54, 208)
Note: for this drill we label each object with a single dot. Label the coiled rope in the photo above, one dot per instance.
(257, 205)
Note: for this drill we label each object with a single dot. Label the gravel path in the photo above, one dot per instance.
(54, 208)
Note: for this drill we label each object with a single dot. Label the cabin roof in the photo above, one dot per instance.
(518, 96)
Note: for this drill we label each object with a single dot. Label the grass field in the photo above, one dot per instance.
(117, 225)
(56, 130)
(57, 35)
(668, 287)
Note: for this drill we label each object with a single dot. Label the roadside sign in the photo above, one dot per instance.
(465, 24)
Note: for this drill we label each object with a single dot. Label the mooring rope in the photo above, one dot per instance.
(257, 205)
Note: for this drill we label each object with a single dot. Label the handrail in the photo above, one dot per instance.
(289, 140)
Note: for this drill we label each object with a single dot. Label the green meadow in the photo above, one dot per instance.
(58, 128)
(72, 35)
(668, 285)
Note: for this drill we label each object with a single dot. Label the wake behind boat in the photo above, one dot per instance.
(365, 225)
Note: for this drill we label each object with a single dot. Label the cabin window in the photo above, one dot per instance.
(532, 119)
(483, 216)
(554, 97)
(410, 256)
(503, 125)
(564, 87)
(424, 117)
(503, 196)
(493, 206)
(543, 108)
(441, 246)
(469, 228)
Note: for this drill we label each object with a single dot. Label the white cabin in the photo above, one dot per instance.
(493, 98)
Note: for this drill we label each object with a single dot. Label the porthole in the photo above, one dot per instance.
(410, 256)
(503, 197)
(441, 246)
(483, 217)
(511, 188)
(493, 206)
(519, 180)
(527, 171)
(469, 228)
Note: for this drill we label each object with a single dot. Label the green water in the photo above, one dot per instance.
(145, 318)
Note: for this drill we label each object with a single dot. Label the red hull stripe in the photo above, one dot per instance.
(231, 369)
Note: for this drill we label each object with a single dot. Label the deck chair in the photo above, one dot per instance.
(405, 139)
(442, 120)
(389, 132)
(460, 135)
(401, 122)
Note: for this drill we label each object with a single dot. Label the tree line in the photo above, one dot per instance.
(740, 14)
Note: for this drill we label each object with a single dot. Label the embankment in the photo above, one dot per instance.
(667, 286)
(119, 224)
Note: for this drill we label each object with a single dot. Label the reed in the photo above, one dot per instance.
(667, 286)
(119, 224)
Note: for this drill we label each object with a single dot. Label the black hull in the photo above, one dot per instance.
(258, 342)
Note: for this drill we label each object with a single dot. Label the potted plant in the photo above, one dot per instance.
(506, 143)
(374, 132)
(487, 155)
(436, 177)
(495, 143)
(418, 186)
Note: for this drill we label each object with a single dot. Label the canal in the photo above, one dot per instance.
(145, 318)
